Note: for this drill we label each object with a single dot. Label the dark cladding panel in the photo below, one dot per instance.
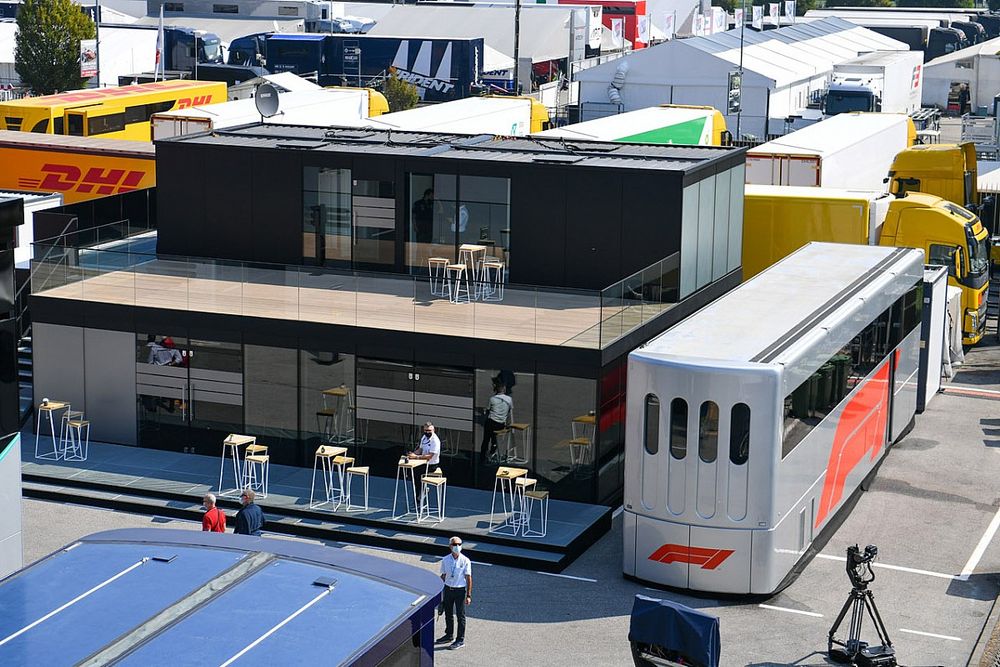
(537, 226)
(228, 230)
(593, 229)
(651, 216)
(180, 198)
(276, 207)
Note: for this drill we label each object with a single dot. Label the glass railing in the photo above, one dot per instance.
(526, 314)
(110, 236)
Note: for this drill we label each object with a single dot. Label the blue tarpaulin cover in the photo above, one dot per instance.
(676, 627)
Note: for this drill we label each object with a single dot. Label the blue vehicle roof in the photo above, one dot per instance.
(148, 596)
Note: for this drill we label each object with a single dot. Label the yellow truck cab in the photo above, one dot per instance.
(945, 170)
(779, 219)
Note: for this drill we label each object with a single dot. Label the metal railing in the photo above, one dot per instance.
(415, 303)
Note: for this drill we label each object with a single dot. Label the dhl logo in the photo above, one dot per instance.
(188, 102)
(707, 559)
(67, 178)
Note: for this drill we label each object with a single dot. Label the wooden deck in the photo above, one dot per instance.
(393, 303)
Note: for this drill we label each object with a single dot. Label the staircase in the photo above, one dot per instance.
(24, 375)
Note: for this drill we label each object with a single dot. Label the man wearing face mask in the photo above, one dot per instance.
(456, 573)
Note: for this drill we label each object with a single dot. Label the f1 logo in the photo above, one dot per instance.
(707, 559)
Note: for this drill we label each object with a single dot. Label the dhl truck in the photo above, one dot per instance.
(121, 112)
(80, 168)
(777, 220)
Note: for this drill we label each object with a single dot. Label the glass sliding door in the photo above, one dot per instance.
(326, 216)
(483, 215)
(373, 209)
(431, 228)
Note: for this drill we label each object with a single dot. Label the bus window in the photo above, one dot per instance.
(739, 434)
(74, 125)
(651, 429)
(114, 122)
(678, 427)
(708, 432)
(41, 126)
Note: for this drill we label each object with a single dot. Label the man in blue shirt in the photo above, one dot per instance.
(250, 519)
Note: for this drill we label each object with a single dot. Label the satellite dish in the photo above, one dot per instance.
(266, 100)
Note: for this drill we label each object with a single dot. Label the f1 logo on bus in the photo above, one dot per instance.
(707, 559)
(188, 102)
(66, 177)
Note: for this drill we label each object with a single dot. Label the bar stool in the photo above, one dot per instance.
(253, 463)
(504, 485)
(406, 474)
(541, 499)
(522, 430)
(503, 444)
(467, 255)
(340, 464)
(47, 408)
(80, 444)
(439, 483)
(435, 270)
(323, 460)
(457, 278)
(521, 486)
(353, 472)
(231, 446)
(68, 415)
(493, 279)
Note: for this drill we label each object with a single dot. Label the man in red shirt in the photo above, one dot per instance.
(215, 519)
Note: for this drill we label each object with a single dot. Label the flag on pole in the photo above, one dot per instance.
(158, 69)
(617, 32)
(758, 17)
(790, 10)
(668, 25)
(773, 9)
(738, 18)
(699, 24)
(644, 29)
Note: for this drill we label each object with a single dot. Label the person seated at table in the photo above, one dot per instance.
(429, 448)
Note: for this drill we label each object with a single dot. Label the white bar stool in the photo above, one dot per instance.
(256, 471)
(47, 409)
(352, 472)
(541, 500)
(493, 279)
(520, 454)
(76, 448)
(323, 461)
(521, 486)
(231, 447)
(406, 474)
(503, 484)
(439, 483)
(457, 278)
(67, 415)
(339, 490)
(436, 272)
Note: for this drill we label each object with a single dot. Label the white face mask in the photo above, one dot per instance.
(456, 548)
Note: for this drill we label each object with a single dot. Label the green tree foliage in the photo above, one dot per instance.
(47, 47)
(401, 95)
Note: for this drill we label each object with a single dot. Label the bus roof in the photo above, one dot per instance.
(98, 95)
(832, 134)
(66, 143)
(779, 306)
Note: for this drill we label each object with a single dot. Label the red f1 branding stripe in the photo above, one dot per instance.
(707, 559)
(860, 431)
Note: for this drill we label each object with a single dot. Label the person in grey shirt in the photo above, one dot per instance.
(497, 418)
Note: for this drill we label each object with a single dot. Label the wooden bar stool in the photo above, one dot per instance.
(46, 409)
(323, 461)
(67, 415)
(353, 472)
(437, 481)
(457, 277)
(436, 272)
(256, 471)
(540, 499)
(523, 431)
(493, 279)
(339, 491)
(77, 440)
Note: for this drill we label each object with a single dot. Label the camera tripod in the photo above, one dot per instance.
(860, 601)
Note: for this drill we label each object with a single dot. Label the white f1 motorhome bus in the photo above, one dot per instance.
(752, 422)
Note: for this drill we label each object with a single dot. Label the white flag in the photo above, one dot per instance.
(668, 26)
(772, 10)
(158, 68)
(699, 24)
(737, 18)
(644, 29)
(758, 17)
(617, 37)
(790, 10)
(719, 19)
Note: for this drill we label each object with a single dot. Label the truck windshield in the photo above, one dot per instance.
(212, 50)
(979, 254)
(844, 102)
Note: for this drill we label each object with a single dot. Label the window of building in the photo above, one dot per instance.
(651, 425)
(326, 215)
(708, 432)
(225, 9)
(678, 428)
(810, 403)
(173, 6)
(288, 10)
(739, 434)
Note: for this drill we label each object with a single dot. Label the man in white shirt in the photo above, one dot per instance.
(430, 447)
(456, 573)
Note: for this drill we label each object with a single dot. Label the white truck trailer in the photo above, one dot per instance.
(850, 150)
(886, 81)
(501, 115)
(324, 106)
(664, 124)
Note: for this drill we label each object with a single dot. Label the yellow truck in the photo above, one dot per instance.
(777, 220)
(81, 168)
(945, 170)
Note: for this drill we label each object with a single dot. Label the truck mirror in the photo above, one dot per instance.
(959, 263)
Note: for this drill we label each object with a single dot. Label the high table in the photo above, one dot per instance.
(505, 484)
(231, 446)
(407, 468)
(49, 408)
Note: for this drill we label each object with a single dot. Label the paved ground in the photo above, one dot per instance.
(932, 511)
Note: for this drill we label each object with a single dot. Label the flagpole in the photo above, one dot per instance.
(743, 25)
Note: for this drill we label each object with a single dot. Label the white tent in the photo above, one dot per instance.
(544, 35)
(782, 68)
(977, 66)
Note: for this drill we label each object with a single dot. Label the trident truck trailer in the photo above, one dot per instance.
(664, 124)
(778, 220)
(850, 150)
(887, 81)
